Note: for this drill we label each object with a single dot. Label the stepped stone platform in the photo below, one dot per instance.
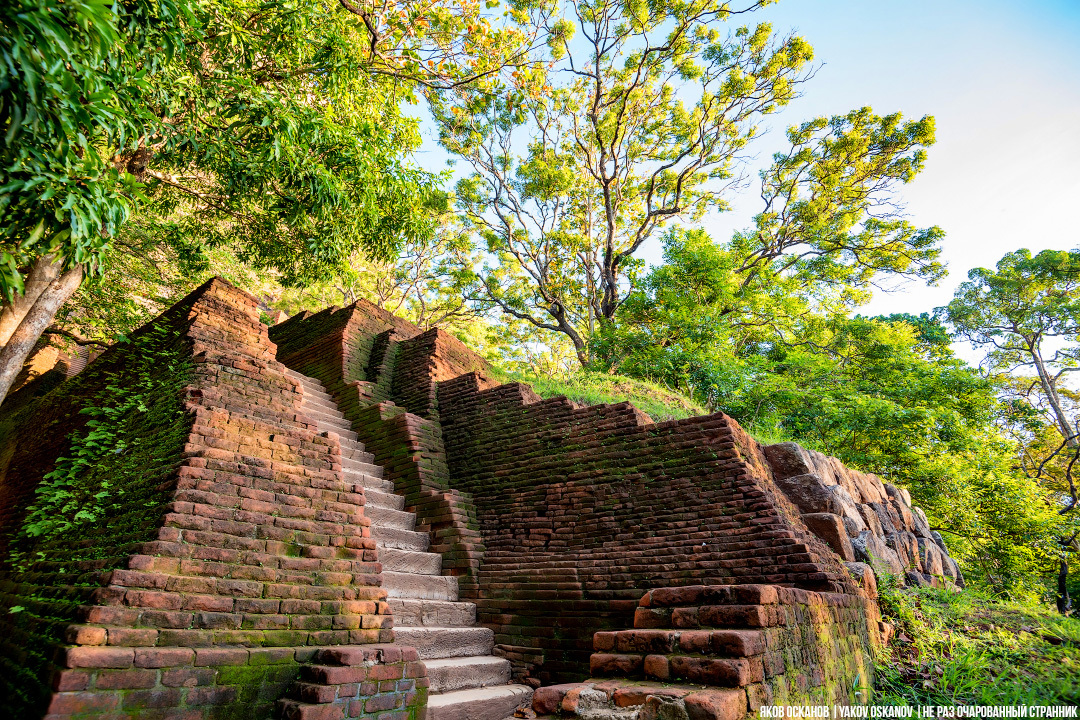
(346, 516)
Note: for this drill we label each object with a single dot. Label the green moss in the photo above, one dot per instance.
(595, 388)
(106, 489)
(105, 493)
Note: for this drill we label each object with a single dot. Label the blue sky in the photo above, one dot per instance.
(1003, 82)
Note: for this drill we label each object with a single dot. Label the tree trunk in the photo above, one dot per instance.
(1068, 433)
(1064, 602)
(34, 322)
(43, 272)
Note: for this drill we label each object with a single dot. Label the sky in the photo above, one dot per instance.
(1003, 83)
(1002, 80)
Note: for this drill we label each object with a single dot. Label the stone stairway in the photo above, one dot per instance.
(466, 681)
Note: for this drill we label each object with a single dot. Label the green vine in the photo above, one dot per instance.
(107, 484)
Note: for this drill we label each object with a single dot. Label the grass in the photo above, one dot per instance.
(594, 388)
(962, 648)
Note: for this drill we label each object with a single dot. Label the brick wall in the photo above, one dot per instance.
(252, 554)
(582, 510)
(778, 645)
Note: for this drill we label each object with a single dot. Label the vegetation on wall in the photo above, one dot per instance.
(106, 491)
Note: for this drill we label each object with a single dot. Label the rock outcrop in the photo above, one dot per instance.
(865, 520)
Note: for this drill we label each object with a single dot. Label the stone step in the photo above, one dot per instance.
(434, 643)
(324, 413)
(409, 561)
(336, 429)
(401, 539)
(490, 703)
(424, 587)
(357, 456)
(366, 468)
(354, 450)
(327, 422)
(388, 518)
(315, 391)
(309, 382)
(368, 482)
(322, 404)
(378, 498)
(412, 612)
(449, 674)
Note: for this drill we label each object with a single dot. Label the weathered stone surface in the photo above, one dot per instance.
(808, 492)
(789, 459)
(930, 557)
(871, 549)
(870, 517)
(830, 528)
(922, 526)
(716, 705)
(864, 576)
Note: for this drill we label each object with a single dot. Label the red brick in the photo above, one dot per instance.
(163, 657)
(99, 657)
(657, 666)
(716, 704)
(601, 664)
(74, 703)
(125, 679)
(548, 700)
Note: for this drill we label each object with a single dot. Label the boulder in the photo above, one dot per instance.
(939, 540)
(846, 507)
(870, 549)
(901, 495)
(918, 579)
(878, 487)
(830, 528)
(864, 577)
(958, 576)
(888, 518)
(930, 557)
(906, 546)
(922, 525)
(807, 491)
(870, 517)
(788, 459)
(904, 512)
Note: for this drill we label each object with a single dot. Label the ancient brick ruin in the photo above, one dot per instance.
(344, 516)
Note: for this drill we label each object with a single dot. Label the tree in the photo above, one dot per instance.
(641, 122)
(619, 155)
(1022, 311)
(271, 127)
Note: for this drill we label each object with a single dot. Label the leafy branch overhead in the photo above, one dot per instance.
(274, 128)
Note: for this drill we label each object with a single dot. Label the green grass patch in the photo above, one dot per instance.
(595, 388)
(963, 648)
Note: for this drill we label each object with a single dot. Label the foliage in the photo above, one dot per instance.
(885, 395)
(1022, 311)
(968, 649)
(423, 284)
(107, 478)
(73, 81)
(274, 126)
(639, 121)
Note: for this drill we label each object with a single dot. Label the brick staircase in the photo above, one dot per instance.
(466, 682)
